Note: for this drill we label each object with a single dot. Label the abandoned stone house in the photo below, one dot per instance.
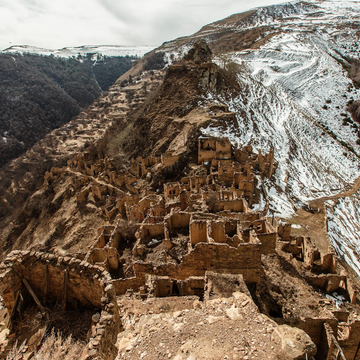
(209, 149)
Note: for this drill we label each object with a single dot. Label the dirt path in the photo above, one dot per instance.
(342, 194)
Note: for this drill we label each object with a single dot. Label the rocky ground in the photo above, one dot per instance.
(222, 328)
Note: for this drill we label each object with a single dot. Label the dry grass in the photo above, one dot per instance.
(16, 352)
(56, 347)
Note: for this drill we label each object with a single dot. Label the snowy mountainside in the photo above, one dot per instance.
(344, 223)
(294, 93)
(102, 50)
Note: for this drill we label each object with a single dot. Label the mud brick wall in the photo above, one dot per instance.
(206, 155)
(223, 285)
(352, 291)
(244, 260)
(140, 270)
(314, 327)
(87, 284)
(237, 205)
(198, 231)
(122, 285)
(218, 231)
(284, 231)
(328, 282)
(108, 254)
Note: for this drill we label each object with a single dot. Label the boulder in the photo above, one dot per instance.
(295, 343)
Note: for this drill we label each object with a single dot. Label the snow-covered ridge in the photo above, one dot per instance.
(301, 13)
(294, 95)
(105, 50)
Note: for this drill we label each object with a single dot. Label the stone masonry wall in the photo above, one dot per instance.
(87, 284)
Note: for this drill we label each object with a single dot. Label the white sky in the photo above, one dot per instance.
(63, 23)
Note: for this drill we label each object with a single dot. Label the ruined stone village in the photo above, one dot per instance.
(198, 247)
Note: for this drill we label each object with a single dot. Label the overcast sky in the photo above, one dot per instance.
(55, 24)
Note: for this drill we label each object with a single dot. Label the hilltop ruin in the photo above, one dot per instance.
(198, 239)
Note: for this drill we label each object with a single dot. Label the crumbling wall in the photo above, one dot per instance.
(68, 279)
(169, 159)
(245, 260)
(263, 163)
(146, 231)
(314, 327)
(106, 257)
(178, 220)
(268, 243)
(218, 231)
(327, 282)
(171, 190)
(284, 231)
(237, 205)
(209, 149)
(198, 231)
(159, 286)
(329, 260)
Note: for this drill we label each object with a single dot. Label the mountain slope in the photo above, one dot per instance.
(297, 75)
(293, 63)
(41, 93)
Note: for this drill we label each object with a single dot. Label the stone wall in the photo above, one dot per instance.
(245, 260)
(209, 149)
(70, 280)
(178, 220)
(327, 282)
(169, 159)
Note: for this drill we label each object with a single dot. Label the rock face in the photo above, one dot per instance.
(199, 53)
(295, 343)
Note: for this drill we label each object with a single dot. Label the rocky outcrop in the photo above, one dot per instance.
(199, 53)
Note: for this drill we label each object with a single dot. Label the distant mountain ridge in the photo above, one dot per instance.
(41, 92)
(66, 52)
